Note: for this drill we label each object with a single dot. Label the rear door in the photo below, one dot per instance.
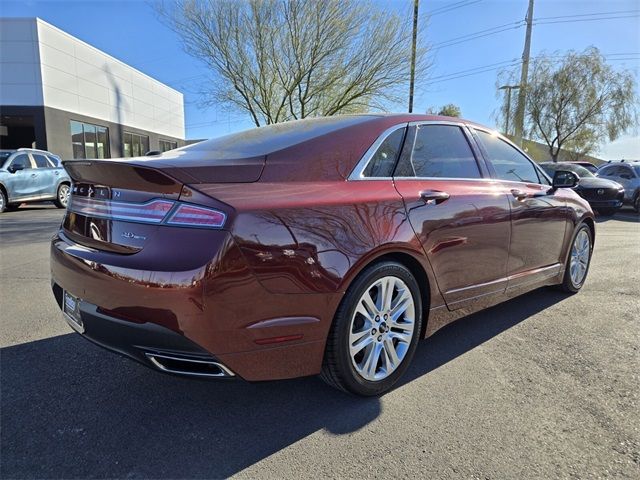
(539, 218)
(460, 216)
(46, 180)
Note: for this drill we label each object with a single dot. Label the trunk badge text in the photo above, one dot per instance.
(133, 235)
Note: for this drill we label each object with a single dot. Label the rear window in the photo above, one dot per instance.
(271, 138)
(41, 161)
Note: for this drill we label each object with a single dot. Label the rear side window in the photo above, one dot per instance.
(41, 161)
(440, 151)
(508, 162)
(384, 160)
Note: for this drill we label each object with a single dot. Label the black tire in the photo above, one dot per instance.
(59, 201)
(636, 203)
(568, 285)
(607, 212)
(3, 201)
(338, 369)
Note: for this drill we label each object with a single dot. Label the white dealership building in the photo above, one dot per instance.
(60, 94)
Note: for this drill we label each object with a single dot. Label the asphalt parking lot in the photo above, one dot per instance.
(544, 386)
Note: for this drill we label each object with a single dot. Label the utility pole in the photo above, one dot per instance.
(413, 53)
(508, 88)
(524, 72)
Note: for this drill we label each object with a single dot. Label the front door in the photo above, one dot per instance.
(460, 216)
(539, 216)
(21, 183)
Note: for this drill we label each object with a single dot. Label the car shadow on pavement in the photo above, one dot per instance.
(69, 409)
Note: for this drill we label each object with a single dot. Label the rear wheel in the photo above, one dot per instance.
(375, 332)
(3, 201)
(62, 198)
(579, 260)
(636, 203)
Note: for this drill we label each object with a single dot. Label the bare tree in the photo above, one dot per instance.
(288, 59)
(576, 102)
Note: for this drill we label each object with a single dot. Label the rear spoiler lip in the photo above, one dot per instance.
(190, 171)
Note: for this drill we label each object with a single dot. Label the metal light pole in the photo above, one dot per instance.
(413, 53)
(508, 88)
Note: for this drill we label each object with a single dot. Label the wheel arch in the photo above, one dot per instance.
(411, 261)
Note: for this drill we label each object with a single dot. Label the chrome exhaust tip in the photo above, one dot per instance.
(190, 366)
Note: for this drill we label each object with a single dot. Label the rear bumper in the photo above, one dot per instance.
(152, 345)
(218, 313)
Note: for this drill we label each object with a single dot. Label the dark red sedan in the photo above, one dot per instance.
(327, 246)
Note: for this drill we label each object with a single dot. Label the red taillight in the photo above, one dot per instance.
(153, 211)
(192, 216)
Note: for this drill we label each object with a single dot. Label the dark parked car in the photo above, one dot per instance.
(605, 196)
(588, 165)
(329, 245)
(30, 175)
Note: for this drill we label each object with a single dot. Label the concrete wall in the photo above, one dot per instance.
(79, 78)
(20, 78)
(42, 66)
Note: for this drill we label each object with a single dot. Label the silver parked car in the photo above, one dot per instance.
(627, 174)
(29, 175)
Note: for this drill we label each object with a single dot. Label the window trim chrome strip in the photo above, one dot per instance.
(357, 172)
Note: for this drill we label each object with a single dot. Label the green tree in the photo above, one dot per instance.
(288, 59)
(448, 110)
(576, 101)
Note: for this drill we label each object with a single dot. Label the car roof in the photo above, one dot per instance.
(267, 139)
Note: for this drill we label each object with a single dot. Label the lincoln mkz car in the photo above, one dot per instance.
(29, 175)
(326, 246)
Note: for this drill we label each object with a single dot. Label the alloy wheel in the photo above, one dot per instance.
(382, 328)
(63, 195)
(580, 252)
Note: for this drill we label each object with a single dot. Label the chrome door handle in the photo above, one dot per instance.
(432, 197)
(519, 194)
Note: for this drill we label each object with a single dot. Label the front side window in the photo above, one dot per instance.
(41, 161)
(135, 145)
(21, 160)
(440, 151)
(508, 162)
(384, 160)
(89, 141)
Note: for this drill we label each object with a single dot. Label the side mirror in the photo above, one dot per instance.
(15, 168)
(565, 179)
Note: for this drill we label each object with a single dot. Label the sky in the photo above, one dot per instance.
(132, 32)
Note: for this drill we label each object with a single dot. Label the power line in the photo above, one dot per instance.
(537, 22)
(474, 71)
(479, 34)
(453, 6)
(619, 12)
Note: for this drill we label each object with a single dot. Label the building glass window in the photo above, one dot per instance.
(135, 145)
(89, 141)
(166, 145)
